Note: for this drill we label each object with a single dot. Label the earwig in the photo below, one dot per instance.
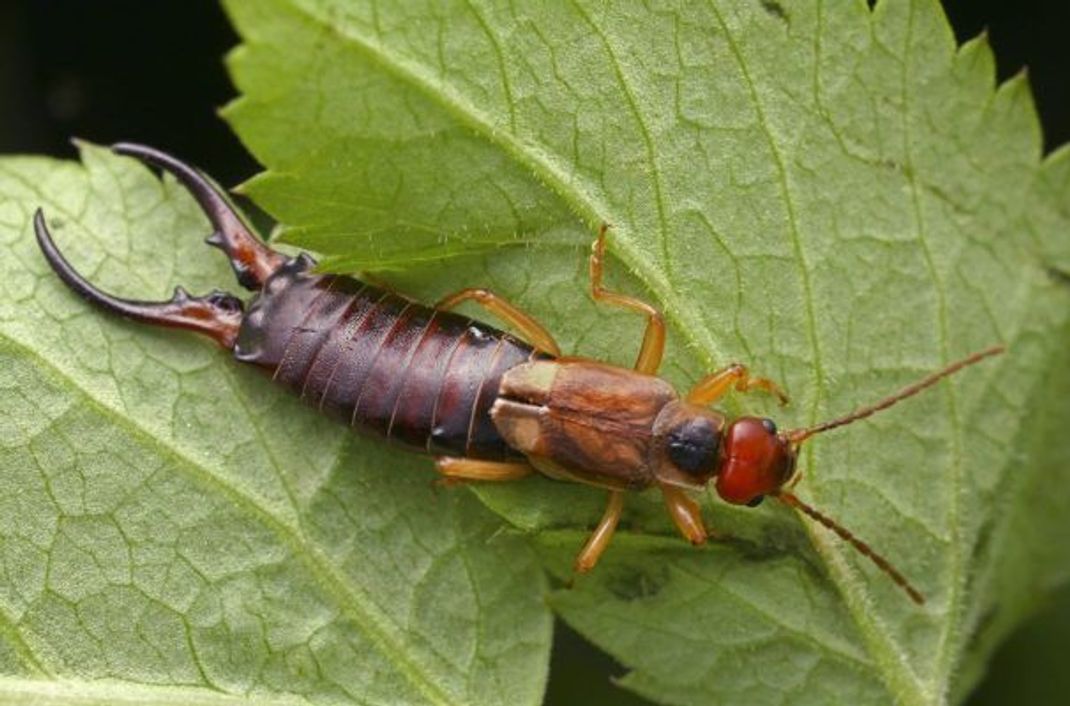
(488, 405)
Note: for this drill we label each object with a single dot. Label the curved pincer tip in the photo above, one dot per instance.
(252, 260)
(57, 262)
(218, 315)
(148, 154)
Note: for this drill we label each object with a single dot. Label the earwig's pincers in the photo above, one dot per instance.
(218, 314)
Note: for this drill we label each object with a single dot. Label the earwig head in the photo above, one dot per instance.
(755, 461)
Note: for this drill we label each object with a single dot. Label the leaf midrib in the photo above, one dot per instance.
(352, 602)
(72, 693)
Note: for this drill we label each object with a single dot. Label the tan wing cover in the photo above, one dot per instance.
(582, 420)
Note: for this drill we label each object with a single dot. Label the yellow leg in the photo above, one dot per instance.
(599, 539)
(712, 387)
(685, 514)
(458, 470)
(654, 338)
(528, 327)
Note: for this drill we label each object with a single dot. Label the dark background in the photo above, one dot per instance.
(150, 71)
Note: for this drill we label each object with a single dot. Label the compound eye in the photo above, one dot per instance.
(756, 501)
(769, 425)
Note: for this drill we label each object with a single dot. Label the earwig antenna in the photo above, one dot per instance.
(797, 436)
(791, 500)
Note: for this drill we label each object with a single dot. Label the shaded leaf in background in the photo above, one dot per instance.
(838, 196)
(1028, 668)
(173, 529)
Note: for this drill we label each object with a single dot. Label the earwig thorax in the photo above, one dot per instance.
(687, 444)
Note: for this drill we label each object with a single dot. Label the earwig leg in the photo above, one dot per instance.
(712, 387)
(653, 347)
(528, 327)
(458, 470)
(686, 514)
(252, 260)
(217, 315)
(602, 534)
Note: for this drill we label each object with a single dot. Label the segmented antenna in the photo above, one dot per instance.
(883, 564)
(797, 436)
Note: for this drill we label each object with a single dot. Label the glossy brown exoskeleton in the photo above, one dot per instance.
(488, 405)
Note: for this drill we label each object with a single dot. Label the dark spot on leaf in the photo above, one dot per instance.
(630, 583)
(1059, 276)
(984, 624)
(774, 541)
(891, 165)
(772, 544)
(775, 9)
(981, 553)
(981, 546)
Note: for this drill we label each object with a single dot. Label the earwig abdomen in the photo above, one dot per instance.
(384, 364)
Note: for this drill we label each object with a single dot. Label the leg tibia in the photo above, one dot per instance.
(653, 347)
(602, 534)
(685, 513)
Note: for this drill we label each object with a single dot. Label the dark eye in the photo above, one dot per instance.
(769, 426)
(756, 501)
(693, 446)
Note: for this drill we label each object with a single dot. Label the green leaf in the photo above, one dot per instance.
(173, 529)
(838, 196)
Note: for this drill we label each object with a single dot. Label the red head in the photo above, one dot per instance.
(755, 461)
